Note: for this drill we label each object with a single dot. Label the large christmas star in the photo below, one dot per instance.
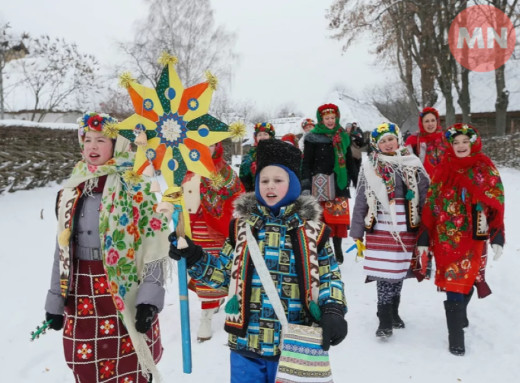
(172, 127)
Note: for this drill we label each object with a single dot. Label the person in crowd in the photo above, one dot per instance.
(210, 204)
(307, 125)
(428, 143)
(464, 209)
(108, 271)
(357, 142)
(327, 170)
(293, 242)
(247, 173)
(391, 192)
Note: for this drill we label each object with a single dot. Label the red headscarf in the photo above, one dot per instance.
(458, 185)
(433, 142)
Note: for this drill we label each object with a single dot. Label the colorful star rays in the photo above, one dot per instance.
(171, 125)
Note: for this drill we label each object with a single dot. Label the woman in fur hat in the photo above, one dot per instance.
(107, 277)
(428, 143)
(328, 165)
(210, 203)
(263, 131)
(298, 256)
(391, 192)
(464, 208)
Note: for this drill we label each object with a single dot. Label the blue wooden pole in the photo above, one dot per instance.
(185, 316)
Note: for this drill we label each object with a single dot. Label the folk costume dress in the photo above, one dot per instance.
(111, 253)
(429, 147)
(464, 208)
(390, 195)
(210, 220)
(327, 151)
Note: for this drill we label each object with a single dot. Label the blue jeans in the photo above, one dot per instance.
(252, 370)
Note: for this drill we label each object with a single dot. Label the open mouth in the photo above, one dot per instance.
(94, 155)
(271, 196)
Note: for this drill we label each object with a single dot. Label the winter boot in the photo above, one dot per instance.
(455, 320)
(384, 312)
(397, 322)
(467, 298)
(204, 333)
(337, 249)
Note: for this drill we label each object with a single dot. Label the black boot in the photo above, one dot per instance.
(384, 313)
(397, 322)
(467, 298)
(455, 320)
(338, 252)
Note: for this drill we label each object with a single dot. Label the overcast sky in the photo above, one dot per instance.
(286, 55)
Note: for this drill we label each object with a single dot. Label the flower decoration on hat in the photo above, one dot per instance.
(98, 122)
(265, 127)
(385, 129)
(458, 129)
(171, 125)
(308, 122)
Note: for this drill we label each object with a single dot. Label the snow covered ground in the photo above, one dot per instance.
(418, 353)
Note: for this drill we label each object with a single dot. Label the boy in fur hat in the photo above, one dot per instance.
(390, 195)
(247, 173)
(301, 263)
(107, 277)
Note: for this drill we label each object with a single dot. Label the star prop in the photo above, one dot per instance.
(172, 127)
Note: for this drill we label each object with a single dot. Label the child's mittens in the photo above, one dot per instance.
(56, 321)
(144, 317)
(497, 250)
(334, 326)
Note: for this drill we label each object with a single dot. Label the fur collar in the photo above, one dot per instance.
(306, 206)
(318, 138)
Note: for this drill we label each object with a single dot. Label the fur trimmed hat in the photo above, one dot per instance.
(98, 122)
(276, 152)
(264, 127)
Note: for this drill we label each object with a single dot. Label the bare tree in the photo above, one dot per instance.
(57, 75)
(185, 29)
(11, 48)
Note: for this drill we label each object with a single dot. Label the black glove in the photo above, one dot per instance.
(144, 317)
(334, 326)
(57, 321)
(192, 253)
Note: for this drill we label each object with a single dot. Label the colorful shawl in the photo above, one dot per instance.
(133, 235)
(460, 185)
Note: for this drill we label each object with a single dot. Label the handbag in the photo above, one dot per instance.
(302, 358)
(323, 187)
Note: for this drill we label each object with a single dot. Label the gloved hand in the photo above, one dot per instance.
(497, 249)
(334, 326)
(192, 253)
(57, 321)
(144, 317)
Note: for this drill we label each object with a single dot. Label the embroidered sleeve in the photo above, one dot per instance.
(331, 285)
(214, 271)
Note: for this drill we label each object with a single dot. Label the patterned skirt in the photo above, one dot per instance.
(96, 344)
(385, 257)
(336, 215)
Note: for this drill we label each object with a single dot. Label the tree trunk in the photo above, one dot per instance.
(450, 110)
(502, 101)
(1, 92)
(464, 98)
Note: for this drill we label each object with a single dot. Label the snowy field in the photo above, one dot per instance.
(418, 353)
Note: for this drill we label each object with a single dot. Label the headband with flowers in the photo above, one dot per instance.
(98, 122)
(264, 127)
(458, 129)
(308, 121)
(385, 129)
